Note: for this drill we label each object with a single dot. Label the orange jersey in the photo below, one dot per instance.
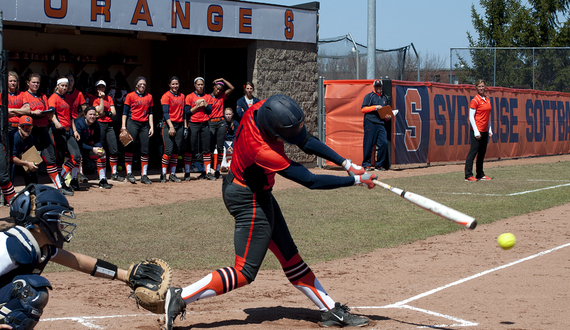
(75, 99)
(15, 101)
(62, 109)
(256, 159)
(217, 104)
(175, 105)
(140, 106)
(37, 102)
(482, 108)
(107, 104)
(200, 115)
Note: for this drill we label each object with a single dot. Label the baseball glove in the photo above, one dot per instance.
(125, 137)
(150, 279)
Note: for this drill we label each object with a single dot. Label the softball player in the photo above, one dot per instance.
(217, 121)
(197, 112)
(105, 113)
(479, 114)
(42, 115)
(259, 154)
(39, 213)
(77, 104)
(16, 106)
(138, 111)
(247, 100)
(173, 129)
(65, 134)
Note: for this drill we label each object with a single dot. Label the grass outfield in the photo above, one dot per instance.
(326, 225)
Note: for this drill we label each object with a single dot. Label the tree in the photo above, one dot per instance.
(508, 23)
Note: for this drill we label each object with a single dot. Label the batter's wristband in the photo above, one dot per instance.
(105, 269)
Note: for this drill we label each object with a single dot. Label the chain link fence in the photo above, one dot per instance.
(539, 68)
(343, 58)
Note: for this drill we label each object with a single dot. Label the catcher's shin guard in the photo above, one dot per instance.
(29, 296)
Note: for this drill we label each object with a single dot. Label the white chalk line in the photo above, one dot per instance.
(84, 320)
(461, 323)
(512, 194)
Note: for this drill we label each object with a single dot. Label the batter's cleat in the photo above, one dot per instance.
(485, 178)
(163, 178)
(74, 184)
(145, 180)
(82, 178)
(210, 177)
(117, 177)
(174, 306)
(471, 179)
(173, 178)
(187, 177)
(339, 316)
(131, 178)
(103, 184)
(66, 190)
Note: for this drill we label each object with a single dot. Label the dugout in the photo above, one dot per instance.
(273, 46)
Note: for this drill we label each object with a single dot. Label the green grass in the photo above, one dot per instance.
(326, 225)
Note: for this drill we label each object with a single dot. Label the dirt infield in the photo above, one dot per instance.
(458, 281)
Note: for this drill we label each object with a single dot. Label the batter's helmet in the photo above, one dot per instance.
(45, 207)
(280, 116)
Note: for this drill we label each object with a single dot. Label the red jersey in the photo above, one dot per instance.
(175, 105)
(140, 106)
(75, 99)
(256, 159)
(482, 108)
(90, 99)
(217, 104)
(200, 115)
(37, 102)
(62, 109)
(15, 101)
(107, 104)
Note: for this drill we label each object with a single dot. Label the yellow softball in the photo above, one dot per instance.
(506, 240)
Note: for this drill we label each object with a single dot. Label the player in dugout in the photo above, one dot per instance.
(259, 154)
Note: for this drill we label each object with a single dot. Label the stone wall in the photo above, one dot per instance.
(290, 69)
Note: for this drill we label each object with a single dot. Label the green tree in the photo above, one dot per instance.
(508, 23)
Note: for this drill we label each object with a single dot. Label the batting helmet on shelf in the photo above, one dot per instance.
(281, 117)
(45, 207)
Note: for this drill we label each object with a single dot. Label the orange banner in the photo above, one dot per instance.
(433, 121)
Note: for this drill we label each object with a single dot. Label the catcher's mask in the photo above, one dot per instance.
(281, 117)
(45, 207)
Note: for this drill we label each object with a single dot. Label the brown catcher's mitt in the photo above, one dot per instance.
(125, 137)
(150, 279)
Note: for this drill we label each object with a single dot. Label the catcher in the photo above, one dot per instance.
(40, 215)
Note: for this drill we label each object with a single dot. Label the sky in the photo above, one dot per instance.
(433, 26)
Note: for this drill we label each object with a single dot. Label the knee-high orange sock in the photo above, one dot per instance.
(207, 162)
(129, 162)
(55, 178)
(144, 164)
(8, 191)
(164, 164)
(173, 163)
(303, 278)
(216, 283)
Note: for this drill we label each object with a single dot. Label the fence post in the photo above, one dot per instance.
(320, 117)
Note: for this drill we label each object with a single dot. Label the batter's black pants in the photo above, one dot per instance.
(258, 222)
(44, 144)
(218, 135)
(109, 138)
(199, 137)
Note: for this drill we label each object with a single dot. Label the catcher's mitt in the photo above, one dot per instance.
(125, 137)
(150, 279)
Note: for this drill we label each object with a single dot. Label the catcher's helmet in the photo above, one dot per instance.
(45, 207)
(280, 116)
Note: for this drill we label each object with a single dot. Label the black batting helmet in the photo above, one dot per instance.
(45, 207)
(280, 116)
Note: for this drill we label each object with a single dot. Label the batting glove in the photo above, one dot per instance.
(365, 180)
(352, 168)
(185, 133)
